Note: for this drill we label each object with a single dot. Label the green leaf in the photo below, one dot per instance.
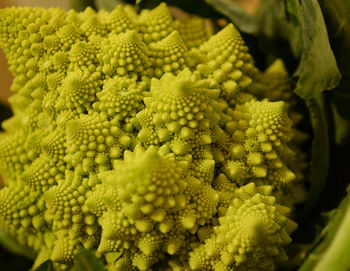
(271, 19)
(86, 260)
(295, 27)
(319, 152)
(10, 244)
(340, 105)
(332, 246)
(275, 26)
(236, 14)
(108, 5)
(338, 24)
(46, 266)
(317, 70)
(81, 5)
(301, 23)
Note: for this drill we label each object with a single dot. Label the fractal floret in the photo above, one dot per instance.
(149, 140)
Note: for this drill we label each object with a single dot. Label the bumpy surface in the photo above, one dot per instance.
(149, 140)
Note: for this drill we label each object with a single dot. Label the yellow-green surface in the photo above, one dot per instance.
(141, 138)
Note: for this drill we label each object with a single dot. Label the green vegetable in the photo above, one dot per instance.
(149, 141)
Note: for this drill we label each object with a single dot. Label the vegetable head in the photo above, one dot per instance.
(146, 139)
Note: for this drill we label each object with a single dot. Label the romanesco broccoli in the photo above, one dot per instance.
(152, 141)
